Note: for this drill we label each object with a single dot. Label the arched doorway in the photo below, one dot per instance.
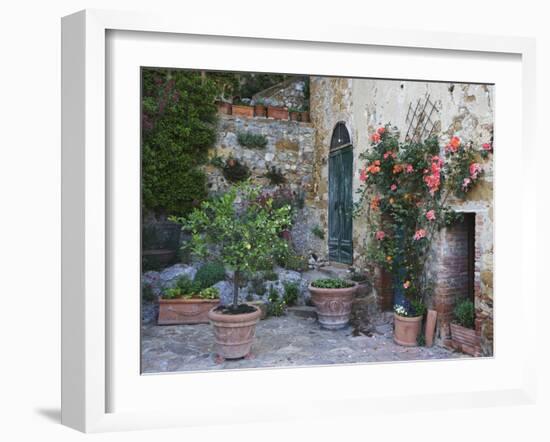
(340, 211)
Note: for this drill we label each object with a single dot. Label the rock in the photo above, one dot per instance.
(226, 292)
(170, 275)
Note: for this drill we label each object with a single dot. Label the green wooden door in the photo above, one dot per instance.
(340, 214)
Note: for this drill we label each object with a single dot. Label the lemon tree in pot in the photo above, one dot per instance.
(241, 229)
(405, 197)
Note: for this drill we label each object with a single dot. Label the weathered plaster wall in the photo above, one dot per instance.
(460, 109)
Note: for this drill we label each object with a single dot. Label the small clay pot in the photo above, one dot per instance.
(185, 311)
(224, 107)
(243, 111)
(333, 306)
(465, 336)
(304, 117)
(260, 110)
(406, 330)
(234, 334)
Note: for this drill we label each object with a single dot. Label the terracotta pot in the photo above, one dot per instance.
(279, 113)
(161, 257)
(333, 306)
(243, 111)
(260, 110)
(294, 116)
(304, 116)
(262, 306)
(224, 107)
(406, 330)
(234, 334)
(185, 311)
(465, 336)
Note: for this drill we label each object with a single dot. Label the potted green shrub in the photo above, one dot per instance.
(242, 230)
(463, 332)
(407, 322)
(332, 299)
(186, 303)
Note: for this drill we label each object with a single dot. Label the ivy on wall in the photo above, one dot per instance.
(178, 126)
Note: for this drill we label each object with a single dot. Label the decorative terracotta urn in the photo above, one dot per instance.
(333, 306)
(234, 334)
(185, 311)
(406, 330)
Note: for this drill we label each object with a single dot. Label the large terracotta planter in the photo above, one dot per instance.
(333, 306)
(279, 113)
(234, 334)
(243, 111)
(406, 330)
(468, 340)
(185, 311)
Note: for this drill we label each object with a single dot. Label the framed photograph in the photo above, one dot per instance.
(278, 221)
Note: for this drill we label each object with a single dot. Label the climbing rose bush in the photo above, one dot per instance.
(405, 188)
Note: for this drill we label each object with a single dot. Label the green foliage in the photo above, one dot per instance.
(331, 283)
(234, 171)
(418, 306)
(271, 275)
(209, 274)
(244, 232)
(209, 293)
(277, 306)
(252, 140)
(178, 126)
(318, 232)
(464, 313)
(147, 294)
(258, 286)
(292, 261)
(275, 175)
(291, 293)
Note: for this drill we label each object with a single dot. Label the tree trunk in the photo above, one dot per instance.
(236, 276)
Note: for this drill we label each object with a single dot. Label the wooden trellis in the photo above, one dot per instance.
(420, 120)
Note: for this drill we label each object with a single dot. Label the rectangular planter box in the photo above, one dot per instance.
(465, 339)
(279, 113)
(185, 311)
(243, 111)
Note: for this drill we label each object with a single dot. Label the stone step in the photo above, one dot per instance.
(303, 311)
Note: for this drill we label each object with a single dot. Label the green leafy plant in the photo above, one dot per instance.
(235, 171)
(252, 140)
(275, 175)
(209, 274)
(258, 285)
(209, 293)
(292, 261)
(318, 232)
(277, 306)
(291, 293)
(464, 313)
(331, 283)
(178, 126)
(244, 232)
(271, 275)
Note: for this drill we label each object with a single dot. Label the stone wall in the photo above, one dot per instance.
(290, 147)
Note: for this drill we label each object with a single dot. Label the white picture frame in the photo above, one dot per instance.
(86, 205)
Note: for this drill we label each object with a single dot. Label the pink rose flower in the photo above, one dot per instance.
(380, 235)
(375, 137)
(406, 284)
(363, 174)
(430, 215)
(487, 146)
(475, 170)
(381, 130)
(419, 234)
(466, 183)
(409, 168)
(393, 187)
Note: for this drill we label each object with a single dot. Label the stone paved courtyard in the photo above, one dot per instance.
(284, 341)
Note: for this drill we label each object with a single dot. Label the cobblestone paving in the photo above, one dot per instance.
(286, 341)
